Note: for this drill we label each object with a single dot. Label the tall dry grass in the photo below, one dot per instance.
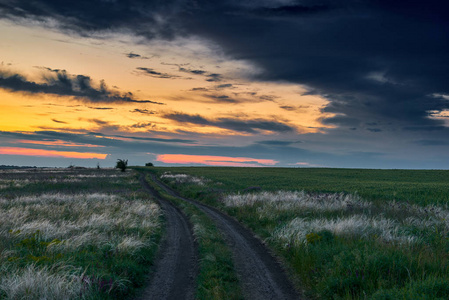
(60, 245)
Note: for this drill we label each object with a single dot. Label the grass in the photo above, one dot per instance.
(416, 186)
(388, 241)
(75, 234)
(217, 278)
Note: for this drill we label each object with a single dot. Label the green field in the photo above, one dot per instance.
(217, 278)
(341, 233)
(75, 234)
(417, 186)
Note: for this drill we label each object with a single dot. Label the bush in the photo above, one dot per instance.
(122, 164)
(149, 165)
(429, 289)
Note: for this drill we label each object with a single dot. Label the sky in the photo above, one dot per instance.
(258, 83)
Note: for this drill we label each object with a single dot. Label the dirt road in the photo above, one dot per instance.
(177, 261)
(260, 274)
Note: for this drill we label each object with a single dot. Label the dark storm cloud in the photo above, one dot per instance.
(138, 148)
(426, 128)
(141, 146)
(214, 77)
(143, 111)
(194, 72)
(299, 108)
(288, 107)
(210, 77)
(222, 99)
(151, 72)
(248, 126)
(202, 89)
(101, 108)
(135, 55)
(215, 88)
(380, 63)
(432, 143)
(341, 120)
(60, 83)
(373, 60)
(291, 10)
(143, 125)
(99, 122)
(277, 143)
(58, 121)
(181, 141)
(95, 138)
(85, 17)
(224, 86)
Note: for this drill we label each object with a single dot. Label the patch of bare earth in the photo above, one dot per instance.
(176, 266)
(261, 275)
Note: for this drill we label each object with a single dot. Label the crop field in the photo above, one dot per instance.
(417, 186)
(340, 233)
(75, 234)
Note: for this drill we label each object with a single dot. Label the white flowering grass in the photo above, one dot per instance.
(342, 214)
(44, 283)
(339, 246)
(55, 227)
(184, 178)
(100, 175)
(19, 178)
(130, 244)
(7, 183)
(422, 216)
(287, 200)
(356, 226)
(73, 218)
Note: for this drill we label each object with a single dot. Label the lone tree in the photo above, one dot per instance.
(122, 164)
(149, 165)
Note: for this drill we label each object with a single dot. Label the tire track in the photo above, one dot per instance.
(176, 266)
(261, 275)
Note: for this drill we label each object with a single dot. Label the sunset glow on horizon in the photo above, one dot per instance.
(258, 83)
(211, 160)
(58, 143)
(49, 153)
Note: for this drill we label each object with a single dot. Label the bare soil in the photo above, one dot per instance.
(260, 274)
(176, 266)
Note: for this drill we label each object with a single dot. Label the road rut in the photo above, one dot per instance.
(177, 262)
(260, 274)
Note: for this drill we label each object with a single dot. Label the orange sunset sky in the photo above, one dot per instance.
(260, 84)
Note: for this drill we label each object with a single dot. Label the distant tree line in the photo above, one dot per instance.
(3, 167)
(122, 164)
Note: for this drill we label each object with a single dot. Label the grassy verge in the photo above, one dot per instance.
(335, 245)
(59, 240)
(416, 186)
(217, 278)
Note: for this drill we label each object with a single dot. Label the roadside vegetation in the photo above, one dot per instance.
(217, 278)
(387, 241)
(75, 234)
(414, 186)
(122, 164)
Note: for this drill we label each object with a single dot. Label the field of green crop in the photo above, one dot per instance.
(341, 233)
(75, 234)
(417, 186)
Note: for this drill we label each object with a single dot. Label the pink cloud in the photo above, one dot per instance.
(49, 153)
(211, 160)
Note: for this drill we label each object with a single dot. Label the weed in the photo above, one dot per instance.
(54, 227)
(341, 233)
